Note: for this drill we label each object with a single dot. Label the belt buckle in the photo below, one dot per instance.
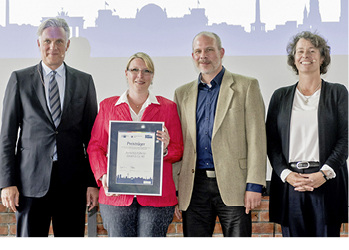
(303, 162)
(210, 174)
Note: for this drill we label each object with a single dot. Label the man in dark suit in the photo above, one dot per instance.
(48, 113)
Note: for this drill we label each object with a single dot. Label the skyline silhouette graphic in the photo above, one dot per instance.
(153, 32)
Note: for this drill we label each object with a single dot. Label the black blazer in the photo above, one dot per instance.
(28, 134)
(333, 147)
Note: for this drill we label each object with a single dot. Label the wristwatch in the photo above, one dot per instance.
(324, 175)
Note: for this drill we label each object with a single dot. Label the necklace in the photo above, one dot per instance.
(133, 103)
(308, 97)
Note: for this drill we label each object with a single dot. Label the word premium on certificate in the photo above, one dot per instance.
(135, 158)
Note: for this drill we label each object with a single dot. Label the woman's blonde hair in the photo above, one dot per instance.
(146, 58)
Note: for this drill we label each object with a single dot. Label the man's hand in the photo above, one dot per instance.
(91, 197)
(10, 197)
(252, 200)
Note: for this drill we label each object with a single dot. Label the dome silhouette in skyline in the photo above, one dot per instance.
(151, 11)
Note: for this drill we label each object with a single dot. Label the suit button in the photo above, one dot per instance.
(193, 171)
(56, 132)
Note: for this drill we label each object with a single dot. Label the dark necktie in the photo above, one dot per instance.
(55, 105)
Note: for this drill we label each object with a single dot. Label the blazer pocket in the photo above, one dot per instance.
(243, 163)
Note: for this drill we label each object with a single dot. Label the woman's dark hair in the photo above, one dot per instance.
(319, 43)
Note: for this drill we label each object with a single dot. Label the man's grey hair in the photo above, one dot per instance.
(54, 22)
(212, 35)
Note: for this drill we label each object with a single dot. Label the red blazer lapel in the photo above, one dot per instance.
(121, 113)
(150, 112)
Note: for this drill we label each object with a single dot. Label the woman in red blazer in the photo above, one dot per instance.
(129, 215)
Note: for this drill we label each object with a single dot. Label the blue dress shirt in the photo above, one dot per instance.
(205, 114)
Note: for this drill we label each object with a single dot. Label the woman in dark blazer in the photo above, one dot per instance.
(307, 132)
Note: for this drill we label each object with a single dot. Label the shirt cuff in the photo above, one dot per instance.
(254, 187)
(284, 174)
(331, 174)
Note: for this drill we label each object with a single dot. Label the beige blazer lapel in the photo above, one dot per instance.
(189, 104)
(226, 93)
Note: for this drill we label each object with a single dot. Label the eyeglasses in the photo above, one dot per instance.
(145, 72)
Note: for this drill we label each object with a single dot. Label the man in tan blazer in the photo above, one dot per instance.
(223, 168)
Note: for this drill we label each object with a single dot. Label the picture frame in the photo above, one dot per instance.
(135, 158)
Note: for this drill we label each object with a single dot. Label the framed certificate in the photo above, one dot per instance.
(135, 158)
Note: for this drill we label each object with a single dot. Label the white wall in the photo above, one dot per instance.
(172, 72)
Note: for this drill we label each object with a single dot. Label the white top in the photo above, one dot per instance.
(304, 140)
(137, 117)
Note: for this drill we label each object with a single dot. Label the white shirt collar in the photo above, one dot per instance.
(151, 99)
(46, 70)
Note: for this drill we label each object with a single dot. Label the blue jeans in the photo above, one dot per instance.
(136, 220)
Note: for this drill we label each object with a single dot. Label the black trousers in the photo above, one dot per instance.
(206, 204)
(65, 206)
